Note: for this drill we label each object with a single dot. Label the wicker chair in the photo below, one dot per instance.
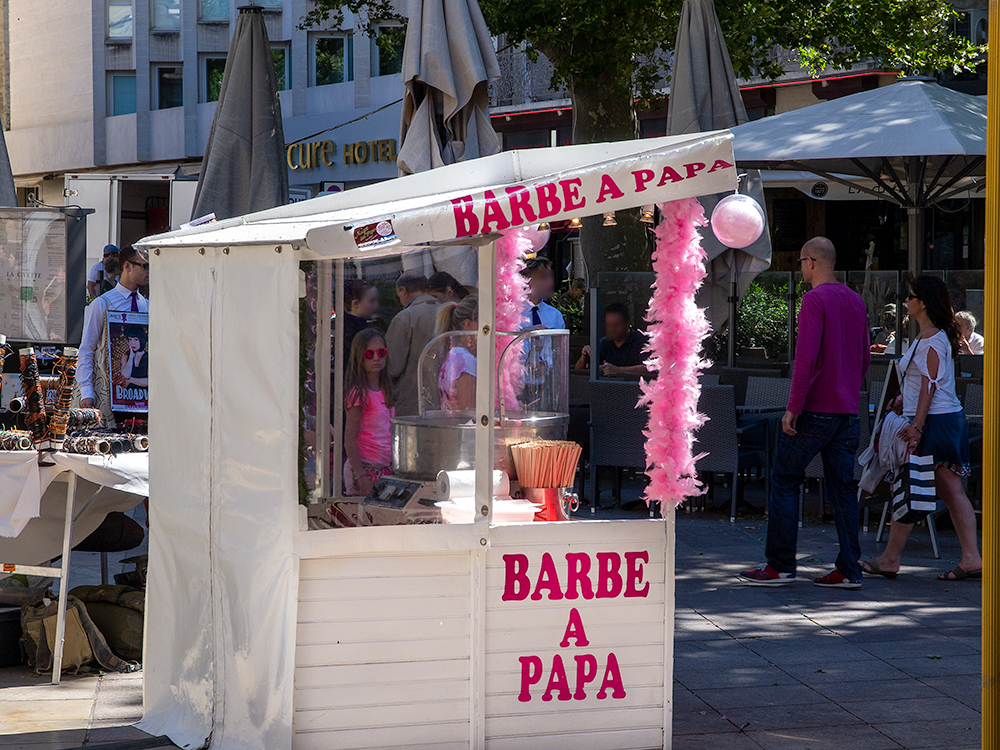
(730, 449)
(616, 427)
(738, 377)
(972, 364)
(973, 402)
(708, 378)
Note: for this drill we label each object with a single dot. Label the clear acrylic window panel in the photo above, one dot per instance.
(119, 19)
(215, 10)
(166, 15)
(123, 100)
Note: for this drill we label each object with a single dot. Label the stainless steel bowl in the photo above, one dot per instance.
(445, 440)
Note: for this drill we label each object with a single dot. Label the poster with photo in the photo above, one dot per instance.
(128, 361)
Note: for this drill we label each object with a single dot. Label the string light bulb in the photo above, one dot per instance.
(609, 219)
(575, 223)
(543, 226)
(647, 214)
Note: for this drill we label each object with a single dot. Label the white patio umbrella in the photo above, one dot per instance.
(918, 141)
(448, 62)
(704, 97)
(244, 166)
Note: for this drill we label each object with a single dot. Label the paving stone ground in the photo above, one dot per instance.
(893, 665)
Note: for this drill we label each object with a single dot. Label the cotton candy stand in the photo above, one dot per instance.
(271, 634)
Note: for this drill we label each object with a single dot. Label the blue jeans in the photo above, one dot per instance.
(835, 437)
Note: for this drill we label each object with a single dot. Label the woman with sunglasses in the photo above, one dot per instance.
(368, 409)
(937, 426)
(457, 378)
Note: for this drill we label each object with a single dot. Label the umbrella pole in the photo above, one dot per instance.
(991, 433)
(733, 299)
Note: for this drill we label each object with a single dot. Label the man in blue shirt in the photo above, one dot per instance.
(539, 314)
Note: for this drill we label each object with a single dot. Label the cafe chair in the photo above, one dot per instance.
(729, 448)
(616, 427)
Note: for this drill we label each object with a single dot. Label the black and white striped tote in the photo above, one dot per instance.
(913, 491)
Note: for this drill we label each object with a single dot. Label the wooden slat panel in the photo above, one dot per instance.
(621, 634)
(375, 565)
(333, 610)
(383, 675)
(637, 739)
(375, 631)
(381, 653)
(387, 587)
(650, 697)
(556, 617)
(386, 715)
(435, 735)
(509, 683)
(372, 695)
(558, 722)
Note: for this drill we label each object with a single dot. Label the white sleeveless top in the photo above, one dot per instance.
(913, 365)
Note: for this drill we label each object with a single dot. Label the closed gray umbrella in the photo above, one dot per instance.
(244, 166)
(920, 142)
(704, 96)
(8, 195)
(448, 62)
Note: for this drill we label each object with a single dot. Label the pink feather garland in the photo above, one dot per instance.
(676, 330)
(511, 301)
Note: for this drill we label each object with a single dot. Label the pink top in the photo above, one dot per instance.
(832, 352)
(458, 362)
(374, 434)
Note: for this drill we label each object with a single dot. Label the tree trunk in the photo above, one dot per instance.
(603, 110)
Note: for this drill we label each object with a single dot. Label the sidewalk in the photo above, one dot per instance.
(893, 665)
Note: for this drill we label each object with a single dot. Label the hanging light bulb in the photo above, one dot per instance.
(609, 219)
(647, 214)
(575, 223)
(543, 227)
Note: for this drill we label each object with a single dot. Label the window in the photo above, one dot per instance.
(168, 89)
(332, 59)
(269, 3)
(213, 69)
(121, 94)
(213, 10)
(120, 19)
(387, 51)
(166, 15)
(282, 67)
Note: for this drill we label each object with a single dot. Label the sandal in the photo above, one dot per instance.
(958, 573)
(871, 568)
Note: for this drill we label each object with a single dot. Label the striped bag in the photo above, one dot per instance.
(913, 492)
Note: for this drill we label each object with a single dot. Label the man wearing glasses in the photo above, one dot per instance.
(831, 359)
(92, 371)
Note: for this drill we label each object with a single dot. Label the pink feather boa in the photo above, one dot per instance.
(676, 330)
(511, 301)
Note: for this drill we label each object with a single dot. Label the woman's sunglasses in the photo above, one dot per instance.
(911, 295)
(372, 353)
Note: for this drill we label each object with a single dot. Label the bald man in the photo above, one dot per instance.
(832, 355)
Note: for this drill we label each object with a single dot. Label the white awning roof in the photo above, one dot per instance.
(460, 202)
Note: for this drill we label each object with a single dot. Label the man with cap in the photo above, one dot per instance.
(102, 272)
(92, 372)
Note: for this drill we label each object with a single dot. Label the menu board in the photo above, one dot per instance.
(33, 275)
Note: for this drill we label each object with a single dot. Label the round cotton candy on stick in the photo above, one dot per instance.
(737, 221)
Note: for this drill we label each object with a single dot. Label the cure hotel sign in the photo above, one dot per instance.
(315, 154)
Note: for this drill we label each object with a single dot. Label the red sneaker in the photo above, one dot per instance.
(765, 575)
(835, 580)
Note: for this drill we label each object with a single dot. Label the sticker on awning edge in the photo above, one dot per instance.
(376, 234)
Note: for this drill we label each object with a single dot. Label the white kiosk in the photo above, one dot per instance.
(263, 634)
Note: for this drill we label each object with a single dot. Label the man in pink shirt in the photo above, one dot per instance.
(831, 359)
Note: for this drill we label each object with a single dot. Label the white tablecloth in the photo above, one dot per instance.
(27, 498)
(20, 490)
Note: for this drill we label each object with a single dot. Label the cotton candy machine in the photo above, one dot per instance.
(533, 403)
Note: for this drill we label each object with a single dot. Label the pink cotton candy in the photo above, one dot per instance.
(511, 301)
(676, 330)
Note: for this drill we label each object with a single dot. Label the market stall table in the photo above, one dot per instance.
(38, 518)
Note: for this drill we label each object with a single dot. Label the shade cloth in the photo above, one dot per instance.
(704, 96)
(448, 62)
(244, 166)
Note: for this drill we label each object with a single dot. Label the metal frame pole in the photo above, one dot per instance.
(337, 488)
(486, 354)
(991, 428)
(324, 303)
(57, 655)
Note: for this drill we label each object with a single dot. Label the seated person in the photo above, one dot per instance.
(621, 349)
(457, 378)
(884, 341)
(971, 342)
